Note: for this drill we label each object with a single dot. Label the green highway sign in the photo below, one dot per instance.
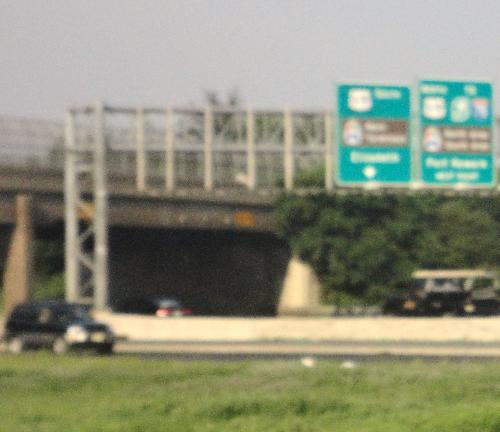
(455, 138)
(373, 135)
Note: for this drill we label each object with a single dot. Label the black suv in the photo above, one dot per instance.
(57, 325)
(429, 299)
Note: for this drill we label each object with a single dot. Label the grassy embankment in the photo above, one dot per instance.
(42, 393)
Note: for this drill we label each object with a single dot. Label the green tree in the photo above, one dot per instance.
(364, 246)
(49, 269)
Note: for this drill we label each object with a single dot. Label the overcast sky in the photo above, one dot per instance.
(275, 52)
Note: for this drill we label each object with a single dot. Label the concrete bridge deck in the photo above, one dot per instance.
(185, 208)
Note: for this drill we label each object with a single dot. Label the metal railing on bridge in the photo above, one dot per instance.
(212, 148)
(175, 148)
(29, 143)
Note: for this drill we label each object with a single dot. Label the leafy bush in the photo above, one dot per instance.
(49, 269)
(364, 246)
(50, 287)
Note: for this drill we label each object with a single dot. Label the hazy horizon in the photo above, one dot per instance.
(275, 53)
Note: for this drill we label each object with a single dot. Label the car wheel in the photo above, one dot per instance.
(16, 345)
(60, 346)
(105, 350)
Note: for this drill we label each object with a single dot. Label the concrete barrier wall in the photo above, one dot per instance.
(445, 329)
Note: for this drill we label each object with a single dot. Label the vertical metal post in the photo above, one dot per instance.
(71, 217)
(208, 149)
(288, 154)
(251, 157)
(169, 150)
(140, 151)
(101, 212)
(328, 152)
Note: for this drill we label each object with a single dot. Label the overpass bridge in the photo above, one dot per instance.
(181, 209)
(207, 177)
(182, 240)
(217, 157)
(165, 201)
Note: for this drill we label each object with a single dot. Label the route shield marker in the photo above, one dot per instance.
(456, 133)
(373, 135)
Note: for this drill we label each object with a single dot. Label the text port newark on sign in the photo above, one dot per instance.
(456, 133)
(373, 135)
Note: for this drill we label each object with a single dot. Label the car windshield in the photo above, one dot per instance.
(72, 313)
(436, 283)
(164, 304)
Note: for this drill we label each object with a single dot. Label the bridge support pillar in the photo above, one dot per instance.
(18, 273)
(301, 292)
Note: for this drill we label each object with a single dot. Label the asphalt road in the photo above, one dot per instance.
(324, 350)
(293, 350)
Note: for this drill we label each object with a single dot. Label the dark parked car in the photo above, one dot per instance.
(485, 301)
(436, 301)
(57, 325)
(161, 307)
(438, 292)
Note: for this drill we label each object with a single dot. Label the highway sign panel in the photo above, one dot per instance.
(455, 137)
(373, 135)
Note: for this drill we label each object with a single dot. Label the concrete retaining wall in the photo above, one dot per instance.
(447, 329)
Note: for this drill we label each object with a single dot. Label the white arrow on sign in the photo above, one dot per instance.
(369, 171)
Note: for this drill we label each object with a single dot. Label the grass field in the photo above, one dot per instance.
(40, 393)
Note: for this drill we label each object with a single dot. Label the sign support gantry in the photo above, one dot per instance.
(86, 207)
